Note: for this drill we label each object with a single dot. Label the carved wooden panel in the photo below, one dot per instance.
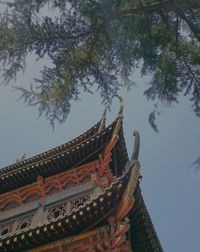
(67, 180)
(76, 203)
(56, 211)
(24, 222)
(6, 228)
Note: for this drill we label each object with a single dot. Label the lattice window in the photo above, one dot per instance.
(75, 204)
(24, 222)
(56, 211)
(6, 228)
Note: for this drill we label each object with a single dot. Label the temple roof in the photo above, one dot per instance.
(94, 213)
(33, 161)
(50, 153)
(83, 149)
(91, 215)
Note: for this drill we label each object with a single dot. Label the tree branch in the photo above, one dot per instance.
(190, 25)
(140, 9)
(190, 71)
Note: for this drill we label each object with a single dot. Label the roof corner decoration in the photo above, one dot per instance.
(119, 116)
(134, 167)
(103, 118)
(136, 147)
(121, 108)
(119, 222)
(81, 196)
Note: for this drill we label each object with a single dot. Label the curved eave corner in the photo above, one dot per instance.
(62, 157)
(142, 233)
(97, 128)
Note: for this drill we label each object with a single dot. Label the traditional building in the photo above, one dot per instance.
(81, 196)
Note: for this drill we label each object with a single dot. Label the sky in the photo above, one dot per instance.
(170, 188)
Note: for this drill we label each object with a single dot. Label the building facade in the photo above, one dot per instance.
(81, 196)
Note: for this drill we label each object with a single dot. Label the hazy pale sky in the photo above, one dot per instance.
(170, 187)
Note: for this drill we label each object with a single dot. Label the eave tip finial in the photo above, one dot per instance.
(105, 110)
(121, 106)
(136, 146)
(103, 118)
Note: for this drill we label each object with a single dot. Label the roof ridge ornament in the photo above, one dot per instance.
(22, 158)
(128, 198)
(136, 147)
(103, 118)
(119, 116)
(121, 107)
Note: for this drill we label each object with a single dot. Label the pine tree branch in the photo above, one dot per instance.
(126, 12)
